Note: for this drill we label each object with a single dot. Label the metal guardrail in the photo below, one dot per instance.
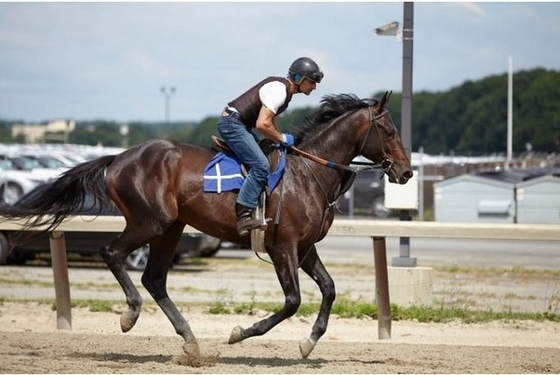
(378, 230)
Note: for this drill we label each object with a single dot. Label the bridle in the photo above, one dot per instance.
(386, 162)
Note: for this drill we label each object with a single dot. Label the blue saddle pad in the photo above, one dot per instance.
(223, 173)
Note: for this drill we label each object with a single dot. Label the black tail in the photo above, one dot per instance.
(52, 203)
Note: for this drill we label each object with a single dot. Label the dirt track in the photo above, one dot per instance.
(32, 353)
(29, 343)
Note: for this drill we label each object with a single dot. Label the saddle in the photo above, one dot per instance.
(270, 149)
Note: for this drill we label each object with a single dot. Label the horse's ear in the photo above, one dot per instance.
(385, 98)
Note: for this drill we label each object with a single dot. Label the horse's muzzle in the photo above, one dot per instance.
(399, 178)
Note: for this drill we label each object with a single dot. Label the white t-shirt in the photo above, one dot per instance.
(273, 95)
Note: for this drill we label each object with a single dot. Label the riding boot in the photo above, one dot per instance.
(245, 222)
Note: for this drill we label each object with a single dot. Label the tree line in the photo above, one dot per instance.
(470, 119)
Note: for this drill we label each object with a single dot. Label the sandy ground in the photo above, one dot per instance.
(30, 343)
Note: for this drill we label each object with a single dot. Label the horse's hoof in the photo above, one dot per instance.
(305, 347)
(192, 355)
(191, 349)
(128, 320)
(236, 335)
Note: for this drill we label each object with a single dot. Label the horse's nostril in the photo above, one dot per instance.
(408, 174)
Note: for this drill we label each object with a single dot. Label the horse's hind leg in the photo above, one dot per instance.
(154, 279)
(114, 256)
(313, 266)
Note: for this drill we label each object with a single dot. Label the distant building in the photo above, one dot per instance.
(525, 196)
(47, 131)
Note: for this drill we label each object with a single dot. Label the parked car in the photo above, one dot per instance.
(88, 244)
(15, 183)
(61, 160)
(48, 162)
(23, 163)
(368, 195)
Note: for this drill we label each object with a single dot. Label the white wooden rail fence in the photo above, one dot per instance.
(377, 230)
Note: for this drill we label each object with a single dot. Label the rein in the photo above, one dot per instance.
(327, 163)
(386, 164)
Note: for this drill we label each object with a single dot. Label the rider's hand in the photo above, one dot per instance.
(288, 140)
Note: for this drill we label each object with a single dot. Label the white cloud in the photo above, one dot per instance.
(146, 65)
(118, 55)
(471, 7)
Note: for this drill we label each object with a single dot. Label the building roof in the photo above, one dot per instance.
(519, 175)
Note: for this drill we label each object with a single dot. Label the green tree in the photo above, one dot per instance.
(468, 119)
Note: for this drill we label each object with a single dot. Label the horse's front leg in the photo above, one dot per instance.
(286, 267)
(313, 266)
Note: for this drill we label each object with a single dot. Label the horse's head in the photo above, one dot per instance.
(367, 129)
(383, 143)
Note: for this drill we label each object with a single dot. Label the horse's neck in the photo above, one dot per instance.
(335, 145)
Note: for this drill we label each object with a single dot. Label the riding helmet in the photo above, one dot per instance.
(305, 67)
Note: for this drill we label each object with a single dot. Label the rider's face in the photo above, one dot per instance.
(307, 86)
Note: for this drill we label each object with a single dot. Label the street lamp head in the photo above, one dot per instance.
(388, 29)
(170, 92)
(167, 94)
(124, 130)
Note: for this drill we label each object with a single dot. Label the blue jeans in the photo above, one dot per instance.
(244, 143)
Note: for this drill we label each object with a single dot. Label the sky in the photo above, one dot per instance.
(109, 61)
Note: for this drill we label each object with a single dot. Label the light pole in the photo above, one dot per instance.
(404, 34)
(509, 113)
(167, 94)
(124, 135)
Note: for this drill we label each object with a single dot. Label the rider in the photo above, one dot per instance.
(256, 109)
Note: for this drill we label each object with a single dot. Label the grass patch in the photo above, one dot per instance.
(426, 314)
(516, 271)
(342, 307)
(34, 283)
(359, 310)
(93, 305)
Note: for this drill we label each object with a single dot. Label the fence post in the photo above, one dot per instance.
(61, 282)
(382, 288)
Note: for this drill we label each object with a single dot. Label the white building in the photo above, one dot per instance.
(35, 133)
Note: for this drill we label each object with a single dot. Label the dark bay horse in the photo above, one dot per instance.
(158, 187)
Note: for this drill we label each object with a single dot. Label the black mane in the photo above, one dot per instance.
(331, 107)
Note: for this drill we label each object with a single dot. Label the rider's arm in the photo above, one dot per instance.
(273, 96)
(267, 126)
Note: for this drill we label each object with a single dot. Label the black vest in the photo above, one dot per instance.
(249, 103)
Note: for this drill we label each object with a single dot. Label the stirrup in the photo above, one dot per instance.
(257, 235)
(248, 226)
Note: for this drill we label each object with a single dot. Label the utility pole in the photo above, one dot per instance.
(167, 95)
(406, 36)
